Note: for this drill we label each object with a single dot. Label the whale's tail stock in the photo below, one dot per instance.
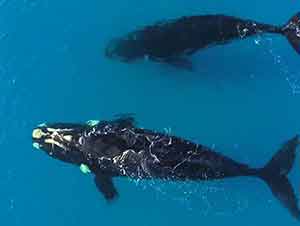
(275, 175)
(292, 31)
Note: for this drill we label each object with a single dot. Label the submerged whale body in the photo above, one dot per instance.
(172, 40)
(118, 148)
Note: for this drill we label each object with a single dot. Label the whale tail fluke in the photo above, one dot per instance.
(292, 31)
(275, 175)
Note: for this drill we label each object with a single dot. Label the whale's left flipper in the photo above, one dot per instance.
(106, 187)
(180, 62)
(275, 175)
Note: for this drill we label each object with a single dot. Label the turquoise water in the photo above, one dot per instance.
(243, 100)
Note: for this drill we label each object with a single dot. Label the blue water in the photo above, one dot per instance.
(243, 100)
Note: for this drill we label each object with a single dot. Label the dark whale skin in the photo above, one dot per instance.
(118, 148)
(170, 41)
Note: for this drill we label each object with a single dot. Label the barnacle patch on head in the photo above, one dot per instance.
(54, 142)
(37, 133)
(68, 137)
(53, 136)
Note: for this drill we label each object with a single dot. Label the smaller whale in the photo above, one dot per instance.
(172, 40)
(118, 148)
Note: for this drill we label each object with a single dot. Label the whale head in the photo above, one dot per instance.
(125, 49)
(60, 140)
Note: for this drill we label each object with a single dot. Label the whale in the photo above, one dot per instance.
(172, 41)
(109, 149)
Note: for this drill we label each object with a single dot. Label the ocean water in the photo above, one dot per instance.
(243, 99)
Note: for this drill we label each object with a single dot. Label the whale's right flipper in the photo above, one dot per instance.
(275, 175)
(106, 187)
(125, 120)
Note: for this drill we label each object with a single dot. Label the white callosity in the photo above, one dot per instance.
(54, 136)
(38, 134)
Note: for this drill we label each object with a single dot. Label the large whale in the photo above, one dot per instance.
(118, 148)
(172, 40)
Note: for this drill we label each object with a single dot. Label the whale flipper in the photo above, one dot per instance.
(275, 175)
(125, 120)
(106, 187)
(180, 62)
